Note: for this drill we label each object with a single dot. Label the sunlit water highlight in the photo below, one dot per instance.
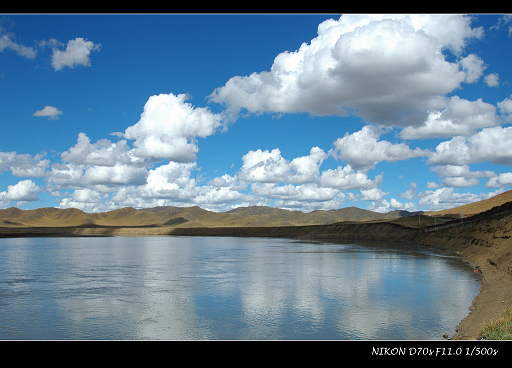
(206, 288)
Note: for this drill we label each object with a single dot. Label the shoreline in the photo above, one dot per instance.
(485, 244)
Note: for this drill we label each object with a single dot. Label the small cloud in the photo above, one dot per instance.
(473, 66)
(76, 53)
(492, 80)
(50, 111)
(432, 185)
(52, 42)
(6, 42)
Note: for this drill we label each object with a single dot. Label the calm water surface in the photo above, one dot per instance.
(137, 288)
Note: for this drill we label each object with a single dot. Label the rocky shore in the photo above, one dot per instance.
(483, 240)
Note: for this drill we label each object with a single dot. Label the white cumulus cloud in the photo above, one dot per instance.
(270, 167)
(23, 191)
(444, 198)
(76, 53)
(49, 111)
(362, 149)
(310, 192)
(346, 178)
(24, 165)
(101, 153)
(168, 128)
(384, 68)
(453, 116)
(373, 194)
(501, 180)
(473, 66)
(489, 144)
(118, 174)
(6, 42)
(505, 108)
(265, 166)
(29, 166)
(492, 80)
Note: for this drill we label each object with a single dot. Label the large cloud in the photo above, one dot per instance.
(306, 169)
(271, 167)
(172, 180)
(169, 126)
(363, 149)
(306, 192)
(501, 180)
(24, 165)
(461, 176)
(118, 174)
(23, 191)
(29, 166)
(6, 159)
(87, 200)
(265, 166)
(346, 178)
(443, 198)
(89, 165)
(104, 178)
(172, 184)
(383, 68)
(101, 153)
(489, 144)
(448, 117)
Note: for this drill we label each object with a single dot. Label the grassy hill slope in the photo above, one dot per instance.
(239, 217)
(183, 217)
(476, 207)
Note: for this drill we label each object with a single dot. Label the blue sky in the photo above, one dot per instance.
(296, 111)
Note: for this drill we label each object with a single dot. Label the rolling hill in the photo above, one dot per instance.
(476, 207)
(183, 217)
(198, 217)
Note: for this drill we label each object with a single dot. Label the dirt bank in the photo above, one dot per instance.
(484, 241)
(486, 244)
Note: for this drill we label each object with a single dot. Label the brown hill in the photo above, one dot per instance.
(476, 207)
(238, 217)
(43, 217)
(183, 217)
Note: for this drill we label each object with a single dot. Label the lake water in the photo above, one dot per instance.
(208, 288)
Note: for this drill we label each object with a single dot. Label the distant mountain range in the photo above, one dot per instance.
(187, 217)
(197, 217)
